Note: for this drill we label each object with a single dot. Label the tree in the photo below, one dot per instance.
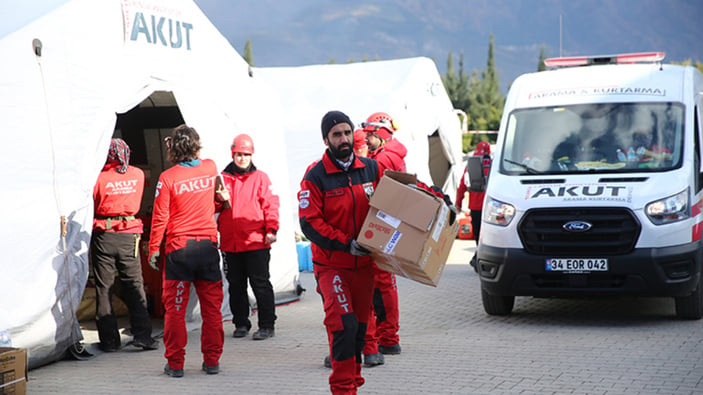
(457, 86)
(490, 100)
(248, 56)
(478, 96)
(540, 63)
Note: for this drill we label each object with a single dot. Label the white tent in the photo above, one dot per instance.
(410, 90)
(67, 77)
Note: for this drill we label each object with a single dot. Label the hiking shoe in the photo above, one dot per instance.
(211, 369)
(327, 362)
(108, 347)
(389, 350)
(240, 331)
(263, 334)
(173, 372)
(371, 360)
(146, 344)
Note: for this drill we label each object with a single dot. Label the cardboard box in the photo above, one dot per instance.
(407, 229)
(13, 371)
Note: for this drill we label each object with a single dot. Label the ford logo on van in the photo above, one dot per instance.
(577, 226)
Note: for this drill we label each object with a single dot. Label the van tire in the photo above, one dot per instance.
(497, 304)
(690, 307)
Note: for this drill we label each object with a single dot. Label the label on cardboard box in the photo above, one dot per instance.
(441, 221)
(389, 219)
(390, 246)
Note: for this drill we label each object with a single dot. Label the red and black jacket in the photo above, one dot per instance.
(333, 204)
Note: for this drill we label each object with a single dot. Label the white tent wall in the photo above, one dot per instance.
(410, 90)
(59, 111)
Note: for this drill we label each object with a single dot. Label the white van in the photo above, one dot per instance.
(596, 186)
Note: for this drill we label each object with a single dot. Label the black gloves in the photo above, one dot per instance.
(438, 191)
(356, 249)
(154, 260)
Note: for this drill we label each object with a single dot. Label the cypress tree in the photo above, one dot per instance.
(540, 63)
(248, 56)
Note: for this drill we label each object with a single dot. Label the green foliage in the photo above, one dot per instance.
(542, 56)
(248, 56)
(478, 95)
(689, 62)
(469, 141)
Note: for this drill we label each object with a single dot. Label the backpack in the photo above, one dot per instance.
(478, 168)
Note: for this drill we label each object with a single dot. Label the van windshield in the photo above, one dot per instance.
(594, 138)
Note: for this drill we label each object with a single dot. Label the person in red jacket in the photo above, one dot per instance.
(184, 210)
(483, 150)
(382, 333)
(332, 204)
(389, 152)
(114, 247)
(247, 230)
(360, 146)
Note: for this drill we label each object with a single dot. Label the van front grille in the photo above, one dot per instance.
(612, 231)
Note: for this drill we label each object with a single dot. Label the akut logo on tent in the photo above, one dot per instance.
(152, 29)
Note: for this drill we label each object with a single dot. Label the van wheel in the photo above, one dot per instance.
(690, 307)
(497, 304)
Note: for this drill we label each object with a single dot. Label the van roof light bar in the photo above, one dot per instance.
(626, 58)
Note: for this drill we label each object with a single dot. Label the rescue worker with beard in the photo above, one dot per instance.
(184, 209)
(333, 203)
(247, 229)
(114, 247)
(382, 333)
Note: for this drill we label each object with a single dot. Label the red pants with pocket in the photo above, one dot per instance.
(383, 318)
(346, 296)
(197, 263)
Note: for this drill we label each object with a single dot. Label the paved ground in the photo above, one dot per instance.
(450, 346)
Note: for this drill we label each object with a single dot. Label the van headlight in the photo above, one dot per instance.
(670, 209)
(498, 213)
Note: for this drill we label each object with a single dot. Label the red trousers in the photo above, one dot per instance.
(346, 296)
(383, 318)
(196, 263)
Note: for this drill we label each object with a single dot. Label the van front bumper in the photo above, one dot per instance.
(669, 271)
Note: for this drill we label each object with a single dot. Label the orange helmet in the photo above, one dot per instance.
(381, 124)
(482, 148)
(243, 144)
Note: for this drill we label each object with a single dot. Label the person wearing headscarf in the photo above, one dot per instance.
(114, 248)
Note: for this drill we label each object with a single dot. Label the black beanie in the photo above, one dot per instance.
(333, 118)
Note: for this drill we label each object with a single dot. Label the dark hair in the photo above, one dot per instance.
(183, 145)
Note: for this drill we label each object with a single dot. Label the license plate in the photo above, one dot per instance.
(582, 265)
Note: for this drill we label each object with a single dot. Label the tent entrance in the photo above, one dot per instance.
(144, 128)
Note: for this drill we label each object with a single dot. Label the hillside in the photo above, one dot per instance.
(315, 31)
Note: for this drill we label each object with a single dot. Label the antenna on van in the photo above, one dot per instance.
(560, 51)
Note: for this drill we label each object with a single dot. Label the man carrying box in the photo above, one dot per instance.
(333, 203)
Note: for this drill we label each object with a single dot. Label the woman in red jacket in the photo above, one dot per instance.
(247, 229)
